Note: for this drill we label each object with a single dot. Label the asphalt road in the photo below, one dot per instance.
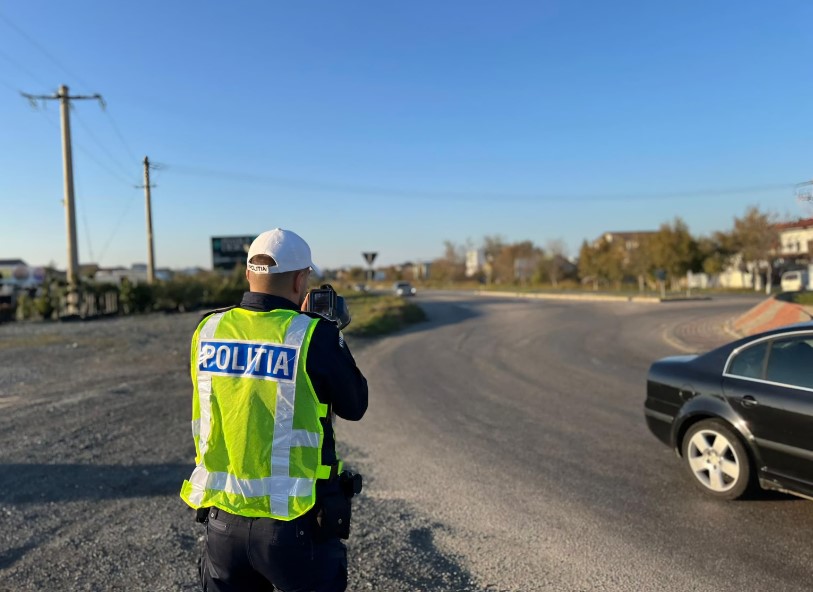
(516, 427)
(504, 449)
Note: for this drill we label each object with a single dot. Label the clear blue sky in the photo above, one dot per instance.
(393, 126)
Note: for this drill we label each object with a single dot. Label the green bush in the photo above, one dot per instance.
(25, 307)
(136, 298)
(804, 298)
(44, 305)
(180, 295)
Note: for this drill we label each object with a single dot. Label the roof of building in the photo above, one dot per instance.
(629, 234)
(796, 224)
(10, 262)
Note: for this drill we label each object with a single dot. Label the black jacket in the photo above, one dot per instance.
(336, 379)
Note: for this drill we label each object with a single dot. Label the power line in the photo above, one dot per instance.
(89, 154)
(42, 50)
(7, 85)
(100, 145)
(83, 213)
(119, 134)
(331, 187)
(62, 67)
(22, 68)
(128, 204)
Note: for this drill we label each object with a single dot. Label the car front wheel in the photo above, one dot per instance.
(716, 459)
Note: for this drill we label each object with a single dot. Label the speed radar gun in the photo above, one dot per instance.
(325, 302)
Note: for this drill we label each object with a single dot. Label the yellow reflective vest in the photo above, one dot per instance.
(255, 415)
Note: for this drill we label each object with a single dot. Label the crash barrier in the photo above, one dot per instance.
(90, 305)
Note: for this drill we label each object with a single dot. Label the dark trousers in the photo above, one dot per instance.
(261, 554)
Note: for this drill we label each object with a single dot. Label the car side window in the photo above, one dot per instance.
(790, 361)
(749, 363)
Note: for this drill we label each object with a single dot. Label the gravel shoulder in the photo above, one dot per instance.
(95, 441)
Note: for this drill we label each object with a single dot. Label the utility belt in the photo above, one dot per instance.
(334, 508)
(332, 512)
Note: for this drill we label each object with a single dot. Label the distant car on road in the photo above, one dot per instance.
(404, 289)
(793, 281)
(740, 415)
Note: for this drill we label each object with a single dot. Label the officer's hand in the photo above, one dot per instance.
(304, 306)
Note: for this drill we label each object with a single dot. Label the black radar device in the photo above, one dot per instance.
(326, 303)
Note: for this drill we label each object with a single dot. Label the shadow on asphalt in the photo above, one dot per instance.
(438, 314)
(37, 483)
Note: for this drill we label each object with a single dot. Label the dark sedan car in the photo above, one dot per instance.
(740, 415)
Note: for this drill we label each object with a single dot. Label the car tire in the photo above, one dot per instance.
(716, 460)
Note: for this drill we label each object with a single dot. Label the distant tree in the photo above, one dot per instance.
(502, 259)
(756, 238)
(451, 267)
(555, 253)
(603, 261)
(714, 252)
(492, 249)
(639, 261)
(588, 264)
(357, 274)
(517, 261)
(610, 262)
(674, 250)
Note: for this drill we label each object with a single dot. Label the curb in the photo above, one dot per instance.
(769, 314)
(588, 297)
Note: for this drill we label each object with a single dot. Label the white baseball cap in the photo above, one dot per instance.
(289, 251)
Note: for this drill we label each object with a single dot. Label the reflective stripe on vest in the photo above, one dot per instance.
(280, 485)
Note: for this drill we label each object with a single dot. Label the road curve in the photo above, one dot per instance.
(507, 438)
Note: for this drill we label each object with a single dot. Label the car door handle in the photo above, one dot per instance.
(749, 401)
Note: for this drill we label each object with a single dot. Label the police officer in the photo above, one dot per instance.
(267, 379)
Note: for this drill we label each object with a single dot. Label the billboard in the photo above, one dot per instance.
(230, 251)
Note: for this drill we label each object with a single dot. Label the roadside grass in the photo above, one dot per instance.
(374, 315)
(804, 298)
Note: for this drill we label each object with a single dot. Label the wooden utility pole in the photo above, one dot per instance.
(150, 253)
(64, 99)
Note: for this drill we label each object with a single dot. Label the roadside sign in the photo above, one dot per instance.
(369, 257)
(230, 251)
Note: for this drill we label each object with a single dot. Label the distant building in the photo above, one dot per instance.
(475, 262)
(16, 274)
(420, 270)
(7, 266)
(630, 240)
(796, 238)
(137, 274)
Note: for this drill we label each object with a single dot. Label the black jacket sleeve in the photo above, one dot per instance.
(333, 372)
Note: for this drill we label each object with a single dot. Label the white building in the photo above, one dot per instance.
(796, 238)
(475, 260)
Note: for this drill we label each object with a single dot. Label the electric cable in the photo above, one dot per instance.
(331, 187)
(42, 50)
